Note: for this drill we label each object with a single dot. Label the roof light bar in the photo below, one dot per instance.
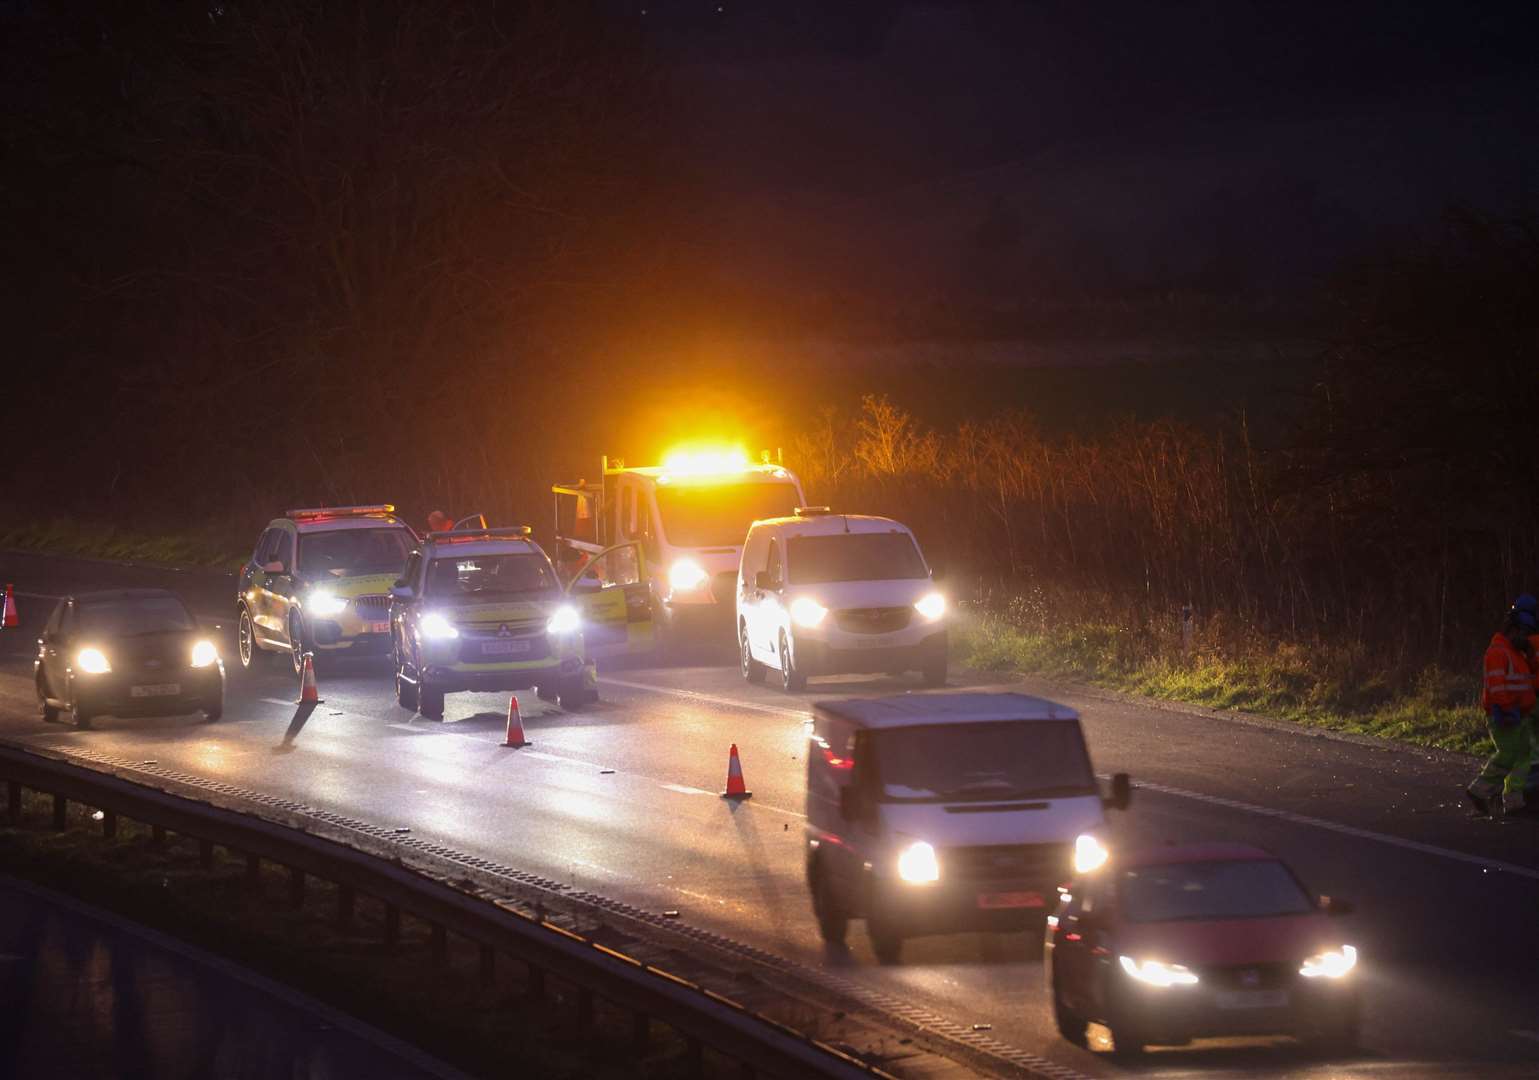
(339, 511)
(464, 536)
(813, 511)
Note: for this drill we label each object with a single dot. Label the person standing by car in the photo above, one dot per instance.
(1508, 700)
(438, 521)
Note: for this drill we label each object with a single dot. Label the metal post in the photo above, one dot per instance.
(60, 810)
(347, 900)
(488, 965)
(296, 887)
(1188, 627)
(109, 824)
(392, 924)
(13, 799)
(206, 854)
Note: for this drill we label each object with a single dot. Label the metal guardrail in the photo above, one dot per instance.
(702, 1017)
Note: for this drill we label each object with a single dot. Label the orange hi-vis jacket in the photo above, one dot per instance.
(1509, 680)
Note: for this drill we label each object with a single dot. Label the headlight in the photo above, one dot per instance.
(1333, 963)
(805, 611)
(917, 864)
(563, 621)
(204, 654)
(1089, 854)
(1156, 973)
(324, 602)
(436, 628)
(686, 575)
(92, 662)
(931, 605)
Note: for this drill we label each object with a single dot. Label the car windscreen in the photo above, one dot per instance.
(885, 556)
(346, 552)
(1230, 889)
(1007, 759)
(469, 577)
(131, 616)
(718, 515)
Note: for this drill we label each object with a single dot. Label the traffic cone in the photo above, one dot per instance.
(308, 694)
(515, 737)
(735, 788)
(11, 619)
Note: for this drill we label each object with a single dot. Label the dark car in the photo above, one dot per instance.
(126, 652)
(1176, 943)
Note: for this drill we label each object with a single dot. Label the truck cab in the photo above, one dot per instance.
(943, 813)
(688, 517)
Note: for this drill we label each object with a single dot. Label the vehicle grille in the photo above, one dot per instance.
(876, 620)
(1049, 864)
(375, 606)
(1250, 976)
(472, 637)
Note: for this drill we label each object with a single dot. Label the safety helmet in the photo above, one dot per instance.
(1525, 612)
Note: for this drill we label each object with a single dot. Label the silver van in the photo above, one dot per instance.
(940, 813)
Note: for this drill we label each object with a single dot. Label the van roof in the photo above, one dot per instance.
(832, 524)
(913, 710)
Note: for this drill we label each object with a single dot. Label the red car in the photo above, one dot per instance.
(1176, 943)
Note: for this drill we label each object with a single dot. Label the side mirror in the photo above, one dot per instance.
(762, 580)
(849, 800)
(1335, 906)
(401, 591)
(1121, 792)
(274, 567)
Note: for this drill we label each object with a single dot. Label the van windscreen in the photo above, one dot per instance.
(883, 556)
(718, 515)
(983, 762)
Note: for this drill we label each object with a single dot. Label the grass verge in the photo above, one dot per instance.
(1340, 689)
(70, 536)
(441, 1006)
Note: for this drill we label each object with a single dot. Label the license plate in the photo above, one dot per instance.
(1252, 999)
(992, 900)
(166, 689)
(379, 627)
(504, 648)
(870, 642)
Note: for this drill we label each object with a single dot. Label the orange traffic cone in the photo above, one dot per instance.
(308, 694)
(11, 619)
(515, 737)
(735, 788)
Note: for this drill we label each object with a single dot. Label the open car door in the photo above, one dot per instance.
(612, 596)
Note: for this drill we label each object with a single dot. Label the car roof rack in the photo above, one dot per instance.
(462, 536)
(315, 512)
(813, 511)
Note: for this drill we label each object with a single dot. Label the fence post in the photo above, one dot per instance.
(1188, 629)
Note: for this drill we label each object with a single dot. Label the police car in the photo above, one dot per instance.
(319, 581)
(483, 609)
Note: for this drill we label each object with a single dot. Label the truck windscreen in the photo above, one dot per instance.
(983, 762)
(884, 556)
(718, 515)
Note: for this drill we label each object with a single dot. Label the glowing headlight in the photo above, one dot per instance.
(931, 605)
(563, 621)
(204, 654)
(917, 864)
(805, 611)
(1155, 973)
(92, 662)
(436, 628)
(686, 575)
(1089, 854)
(324, 602)
(1333, 963)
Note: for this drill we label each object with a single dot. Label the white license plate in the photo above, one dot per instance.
(379, 627)
(1252, 999)
(504, 648)
(165, 689)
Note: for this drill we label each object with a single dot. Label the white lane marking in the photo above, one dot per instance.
(279, 701)
(711, 699)
(1345, 830)
(685, 789)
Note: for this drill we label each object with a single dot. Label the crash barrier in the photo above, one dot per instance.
(702, 1018)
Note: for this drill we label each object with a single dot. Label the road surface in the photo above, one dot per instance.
(621, 799)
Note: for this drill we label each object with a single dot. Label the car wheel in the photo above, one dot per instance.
(833, 919)
(1070, 1024)
(1127, 1041)
(79, 717)
(50, 714)
(214, 712)
(752, 670)
(572, 695)
(886, 942)
(934, 672)
(430, 701)
(245, 640)
(791, 679)
(405, 691)
(546, 692)
(298, 643)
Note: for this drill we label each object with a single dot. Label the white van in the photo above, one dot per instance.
(941, 813)
(820, 593)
